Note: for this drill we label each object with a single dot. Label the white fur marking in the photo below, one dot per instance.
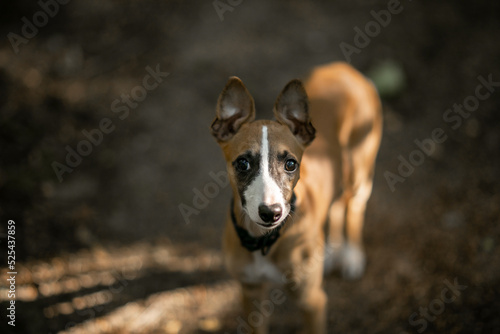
(332, 256)
(260, 270)
(263, 189)
(353, 262)
(272, 193)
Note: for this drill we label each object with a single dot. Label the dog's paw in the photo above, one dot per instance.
(352, 261)
(333, 252)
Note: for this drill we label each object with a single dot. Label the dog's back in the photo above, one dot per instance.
(345, 105)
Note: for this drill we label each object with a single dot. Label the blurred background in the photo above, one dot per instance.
(118, 239)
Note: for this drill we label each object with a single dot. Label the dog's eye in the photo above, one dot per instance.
(242, 165)
(290, 165)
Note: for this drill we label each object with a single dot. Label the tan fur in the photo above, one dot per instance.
(335, 183)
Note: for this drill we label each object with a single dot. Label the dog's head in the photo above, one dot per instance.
(263, 157)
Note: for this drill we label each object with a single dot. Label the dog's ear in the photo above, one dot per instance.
(291, 109)
(234, 108)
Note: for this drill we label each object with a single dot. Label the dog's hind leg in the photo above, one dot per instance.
(358, 188)
(335, 236)
(353, 256)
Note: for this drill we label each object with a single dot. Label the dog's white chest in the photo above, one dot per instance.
(261, 270)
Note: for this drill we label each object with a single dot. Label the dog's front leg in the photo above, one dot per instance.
(253, 294)
(305, 287)
(312, 302)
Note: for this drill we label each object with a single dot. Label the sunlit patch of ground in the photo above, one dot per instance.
(129, 289)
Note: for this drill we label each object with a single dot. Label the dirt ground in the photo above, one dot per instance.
(107, 250)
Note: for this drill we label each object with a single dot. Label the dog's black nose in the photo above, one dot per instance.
(271, 213)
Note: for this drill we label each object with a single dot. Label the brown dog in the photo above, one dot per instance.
(288, 231)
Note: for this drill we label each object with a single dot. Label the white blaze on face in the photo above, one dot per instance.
(263, 189)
